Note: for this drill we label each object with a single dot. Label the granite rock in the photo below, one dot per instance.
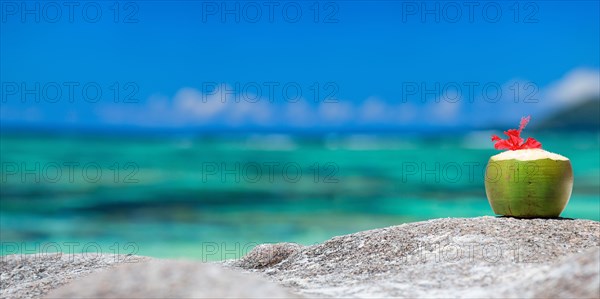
(450, 257)
(484, 257)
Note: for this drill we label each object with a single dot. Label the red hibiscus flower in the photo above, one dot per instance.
(514, 141)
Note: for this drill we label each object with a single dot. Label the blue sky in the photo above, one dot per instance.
(364, 58)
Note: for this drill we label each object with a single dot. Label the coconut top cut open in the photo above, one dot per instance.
(528, 155)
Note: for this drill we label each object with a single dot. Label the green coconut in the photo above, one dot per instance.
(528, 183)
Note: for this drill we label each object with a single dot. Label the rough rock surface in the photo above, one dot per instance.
(475, 257)
(574, 277)
(171, 279)
(33, 275)
(485, 257)
(266, 255)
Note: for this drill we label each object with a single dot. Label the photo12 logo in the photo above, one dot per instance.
(42, 12)
(69, 91)
(270, 91)
(473, 252)
(68, 172)
(123, 252)
(219, 251)
(271, 172)
(270, 11)
(467, 172)
(470, 91)
(469, 12)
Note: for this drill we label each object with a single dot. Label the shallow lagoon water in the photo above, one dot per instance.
(214, 198)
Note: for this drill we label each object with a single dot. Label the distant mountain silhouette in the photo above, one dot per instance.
(584, 116)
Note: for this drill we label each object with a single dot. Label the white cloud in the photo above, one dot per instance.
(335, 112)
(190, 106)
(376, 111)
(446, 108)
(575, 86)
(299, 114)
(405, 113)
(373, 110)
(192, 103)
(243, 112)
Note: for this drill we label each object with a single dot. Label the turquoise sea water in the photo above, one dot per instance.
(212, 198)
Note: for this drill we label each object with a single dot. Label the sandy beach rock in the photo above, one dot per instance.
(34, 275)
(573, 277)
(484, 257)
(171, 279)
(266, 255)
(471, 257)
